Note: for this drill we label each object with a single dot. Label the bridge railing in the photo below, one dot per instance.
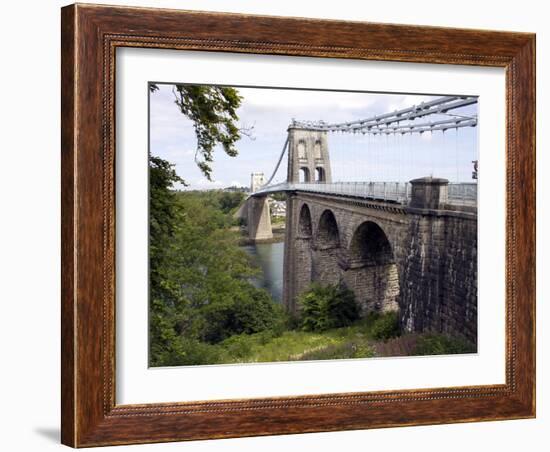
(385, 191)
(464, 193)
(399, 192)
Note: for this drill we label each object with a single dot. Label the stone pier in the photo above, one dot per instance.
(259, 218)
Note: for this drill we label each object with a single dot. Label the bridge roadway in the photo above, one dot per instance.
(464, 194)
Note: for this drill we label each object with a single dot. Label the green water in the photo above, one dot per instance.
(269, 257)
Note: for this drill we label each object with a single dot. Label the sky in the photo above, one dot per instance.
(354, 157)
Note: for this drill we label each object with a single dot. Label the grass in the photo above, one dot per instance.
(354, 341)
(369, 337)
(289, 346)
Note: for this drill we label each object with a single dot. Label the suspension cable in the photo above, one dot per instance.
(285, 146)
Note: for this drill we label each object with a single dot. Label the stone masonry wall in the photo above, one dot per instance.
(376, 287)
(439, 290)
(258, 218)
(459, 305)
(422, 271)
(432, 279)
(325, 266)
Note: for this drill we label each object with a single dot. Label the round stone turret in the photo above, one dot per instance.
(429, 192)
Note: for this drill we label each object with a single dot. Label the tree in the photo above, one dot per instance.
(213, 111)
(229, 201)
(325, 307)
(164, 292)
(200, 290)
(163, 219)
(199, 277)
(246, 311)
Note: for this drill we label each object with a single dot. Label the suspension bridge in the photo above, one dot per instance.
(401, 245)
(400, 122)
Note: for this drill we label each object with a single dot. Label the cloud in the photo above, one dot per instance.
(174, 153)
(271, 110)
(300, 99)
(426, 136)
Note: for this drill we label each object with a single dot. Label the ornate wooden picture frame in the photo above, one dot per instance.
(90, 37)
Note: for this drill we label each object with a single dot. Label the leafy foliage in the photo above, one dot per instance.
(229, 201)
(325, 307)
(250, 311)
(385, 326)
(165, 215)
(199, 276)
(213, 111)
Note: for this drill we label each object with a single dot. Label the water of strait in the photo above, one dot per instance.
(269, 257)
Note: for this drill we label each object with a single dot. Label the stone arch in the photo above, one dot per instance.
(317, 149)
(320, 175)
(372, 271)
(302, 150)
(326, 266)
(370, 245)
(305, 229)
(304, 175)
(328, 233)
(303, 250)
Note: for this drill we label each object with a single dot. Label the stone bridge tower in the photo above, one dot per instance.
(256, 181)
(308, 156)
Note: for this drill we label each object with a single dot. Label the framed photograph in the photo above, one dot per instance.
(282, 225)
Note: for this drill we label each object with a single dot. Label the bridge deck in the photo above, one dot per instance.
(397, 192)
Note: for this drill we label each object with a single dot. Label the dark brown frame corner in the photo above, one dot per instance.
(90, 36)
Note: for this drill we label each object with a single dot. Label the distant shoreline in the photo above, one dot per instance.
(278, 237)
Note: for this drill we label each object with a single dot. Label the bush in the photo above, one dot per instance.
(247, 313)
(293, 321)
(385, 326)
(439, 344)
(325, 307)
